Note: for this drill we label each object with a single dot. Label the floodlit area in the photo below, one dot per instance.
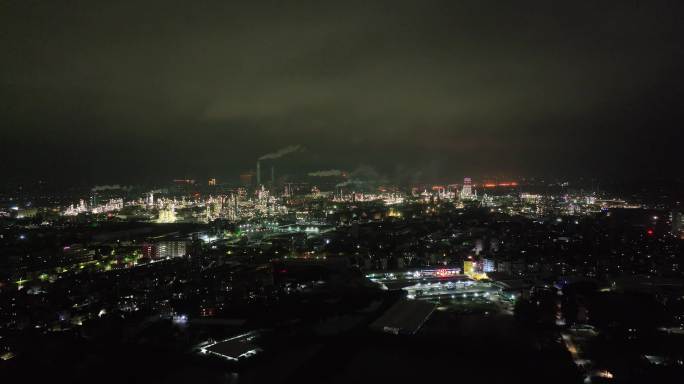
(401, 279)
(460, 289)
(447, 288)
(234, 348)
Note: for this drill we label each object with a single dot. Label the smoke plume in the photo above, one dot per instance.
(281, 152)
(98, 188)
(328, 173)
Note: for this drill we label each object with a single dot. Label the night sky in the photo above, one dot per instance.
(126, 91)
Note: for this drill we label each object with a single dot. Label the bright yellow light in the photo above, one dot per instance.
(468, 267)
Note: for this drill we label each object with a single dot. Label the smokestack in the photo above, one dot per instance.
(258, 173)
(272, 175)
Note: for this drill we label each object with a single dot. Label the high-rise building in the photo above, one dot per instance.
(212, 182)
(488, 265)
(467, 192)
(169, 249)
(467, 186)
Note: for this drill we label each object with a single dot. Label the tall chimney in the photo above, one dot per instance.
(258, 173)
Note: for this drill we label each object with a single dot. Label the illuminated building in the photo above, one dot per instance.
(467, 192)
(169, 249)
(168, 214)
(212, 182)
(26, 213)
(393, 212)
(469, 267)
(392, 199)
(439, 189)
(467, 189)
(488, 265)
(473, 270)
(231, 208)
(262, 194)
(111, 205)
(530, 198)
(214, 206)
(75, 210)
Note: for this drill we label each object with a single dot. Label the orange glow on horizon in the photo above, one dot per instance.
(502, 184)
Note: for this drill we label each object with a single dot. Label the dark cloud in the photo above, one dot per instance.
(152, 89)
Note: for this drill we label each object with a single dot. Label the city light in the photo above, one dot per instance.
(294, 191)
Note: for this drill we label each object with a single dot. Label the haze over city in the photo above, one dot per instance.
(141, 91)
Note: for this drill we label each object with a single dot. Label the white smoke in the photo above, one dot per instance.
(355, 183)
(98, 188)
(281, 152)
(363, 177)
(328, 173)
